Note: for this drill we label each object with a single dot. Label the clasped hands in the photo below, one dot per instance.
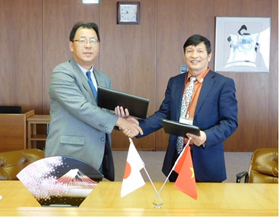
(128, 125)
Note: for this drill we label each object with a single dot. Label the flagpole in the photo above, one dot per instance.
(173, 168)
(159, 205)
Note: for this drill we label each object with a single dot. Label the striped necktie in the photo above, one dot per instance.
(186, 99)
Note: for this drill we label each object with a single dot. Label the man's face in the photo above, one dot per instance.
(197, 58)
(85, 54)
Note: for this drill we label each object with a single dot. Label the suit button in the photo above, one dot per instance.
(102, 139)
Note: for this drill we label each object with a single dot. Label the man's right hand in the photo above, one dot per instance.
(129, 127)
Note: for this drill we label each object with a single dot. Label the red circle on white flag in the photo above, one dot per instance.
(128, 170)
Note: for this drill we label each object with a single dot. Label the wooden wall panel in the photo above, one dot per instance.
(21, 54)
(273, 79)
(177, 20)
(140, 59)
(258, 117)
(127, 55)
(59, 16)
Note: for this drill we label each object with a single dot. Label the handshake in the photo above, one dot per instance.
(128, 125)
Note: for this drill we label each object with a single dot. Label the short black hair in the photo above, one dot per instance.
(93, 26)
(197, 39)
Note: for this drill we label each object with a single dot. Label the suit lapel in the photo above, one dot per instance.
(206, 87)
(81, 78)
(100, 80)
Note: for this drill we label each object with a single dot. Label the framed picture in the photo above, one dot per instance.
(128, 13)
(242, 44)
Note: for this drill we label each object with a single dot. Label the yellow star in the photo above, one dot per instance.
(193, 174)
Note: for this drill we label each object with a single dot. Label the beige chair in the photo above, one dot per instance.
(263, 167)
(12, 162)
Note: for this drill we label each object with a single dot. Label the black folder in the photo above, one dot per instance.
(179, 129)
(109, 99)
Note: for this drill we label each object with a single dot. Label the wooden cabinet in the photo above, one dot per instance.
(13, 131)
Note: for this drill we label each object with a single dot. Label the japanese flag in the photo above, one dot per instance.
(132, 179)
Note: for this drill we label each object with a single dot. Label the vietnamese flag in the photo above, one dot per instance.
(132, 179)
(186, 181)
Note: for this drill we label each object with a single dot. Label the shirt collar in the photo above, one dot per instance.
(200, 77)
(85, 70)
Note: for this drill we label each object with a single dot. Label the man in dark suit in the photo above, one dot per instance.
(213, 108)
(78, 127)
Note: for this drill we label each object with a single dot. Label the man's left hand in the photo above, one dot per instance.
(197, 140)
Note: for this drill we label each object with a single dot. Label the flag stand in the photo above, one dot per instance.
(157, 206)
(158, 196)
(158, 193)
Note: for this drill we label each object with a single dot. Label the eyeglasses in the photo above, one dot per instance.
(84, 41)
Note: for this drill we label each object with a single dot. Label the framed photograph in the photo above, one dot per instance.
(242, 44)
(128, 13)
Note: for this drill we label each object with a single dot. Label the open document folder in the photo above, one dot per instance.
(109, 99)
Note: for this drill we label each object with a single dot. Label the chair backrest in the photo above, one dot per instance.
(12, 162)
(10, 109)
(264, 166)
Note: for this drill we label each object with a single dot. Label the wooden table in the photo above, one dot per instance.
(223, 199)
(32, 123)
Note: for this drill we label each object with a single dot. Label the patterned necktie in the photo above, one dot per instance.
(94, 91)
(186, 99)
